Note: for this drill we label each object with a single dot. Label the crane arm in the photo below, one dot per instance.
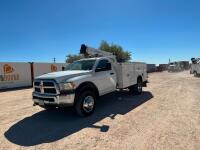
(92, 52)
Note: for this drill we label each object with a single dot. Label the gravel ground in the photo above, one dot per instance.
(165, 116)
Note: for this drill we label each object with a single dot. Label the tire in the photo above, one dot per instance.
(85, 103)
(137, 89)
(195, 74)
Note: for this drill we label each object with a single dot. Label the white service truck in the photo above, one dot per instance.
(87, 79)
(195, 67)
(174, 67)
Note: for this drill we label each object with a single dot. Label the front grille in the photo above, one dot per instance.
(45, 87)
(52, 91)
(48, 84)
(37, 90)
(36, 83)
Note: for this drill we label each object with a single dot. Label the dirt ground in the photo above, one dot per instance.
(165, 116)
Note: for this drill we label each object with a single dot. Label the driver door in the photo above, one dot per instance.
(105, 77)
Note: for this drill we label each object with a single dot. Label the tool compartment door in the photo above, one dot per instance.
(128, 74)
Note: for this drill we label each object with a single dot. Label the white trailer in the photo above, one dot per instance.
(14, 75)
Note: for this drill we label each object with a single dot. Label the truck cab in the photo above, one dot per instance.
(61, 88)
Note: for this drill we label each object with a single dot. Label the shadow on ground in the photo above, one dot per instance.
(16, 89)
(50, 126)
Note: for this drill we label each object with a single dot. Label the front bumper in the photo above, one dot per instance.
(57, 100)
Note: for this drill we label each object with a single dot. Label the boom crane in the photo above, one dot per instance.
(87, 51)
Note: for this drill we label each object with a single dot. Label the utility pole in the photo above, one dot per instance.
(54, 60)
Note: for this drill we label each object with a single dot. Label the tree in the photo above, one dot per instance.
(72, 58)
(117, 50)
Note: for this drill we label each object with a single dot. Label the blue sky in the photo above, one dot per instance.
(153, 30)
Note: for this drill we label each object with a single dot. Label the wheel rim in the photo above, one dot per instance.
(88, 103)
(139, 86)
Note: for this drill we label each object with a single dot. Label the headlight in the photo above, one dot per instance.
(68, 86)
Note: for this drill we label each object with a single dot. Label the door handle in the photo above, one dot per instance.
(111, 73)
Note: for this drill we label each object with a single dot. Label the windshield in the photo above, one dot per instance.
(81, 65)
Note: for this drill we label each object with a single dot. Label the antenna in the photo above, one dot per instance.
(54, 60)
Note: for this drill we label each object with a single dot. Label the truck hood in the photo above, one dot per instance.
(63, 75)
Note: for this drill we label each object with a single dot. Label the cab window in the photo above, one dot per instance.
(103, 65)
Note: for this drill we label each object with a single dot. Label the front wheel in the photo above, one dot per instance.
(85, 103)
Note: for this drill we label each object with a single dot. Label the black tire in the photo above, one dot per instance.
(89, 99)
(137, 89)
(195, 74)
